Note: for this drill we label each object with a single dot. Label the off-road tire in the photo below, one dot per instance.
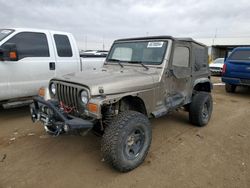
(115, 139)
(201, 109)
(230, 88)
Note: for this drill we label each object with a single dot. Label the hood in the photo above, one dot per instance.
(115, 80)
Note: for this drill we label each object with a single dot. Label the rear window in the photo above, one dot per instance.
(63, 46)
(241, 55)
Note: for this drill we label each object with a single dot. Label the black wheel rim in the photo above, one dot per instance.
(205, 111)
(134, 143)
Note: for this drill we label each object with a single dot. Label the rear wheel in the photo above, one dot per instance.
(126, 141)
(201, 109)
(230, 88)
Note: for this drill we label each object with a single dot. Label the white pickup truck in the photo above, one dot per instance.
(29, 58)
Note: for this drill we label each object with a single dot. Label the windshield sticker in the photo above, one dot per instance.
(5, 31)
(155, 44)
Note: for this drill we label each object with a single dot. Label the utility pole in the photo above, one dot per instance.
(215, 36)
(212, 51)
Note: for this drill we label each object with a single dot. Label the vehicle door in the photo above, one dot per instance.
(66, 52)
(178, 76)
(32, 69)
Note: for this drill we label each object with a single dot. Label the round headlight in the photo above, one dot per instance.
(53, 88)
(84, 97)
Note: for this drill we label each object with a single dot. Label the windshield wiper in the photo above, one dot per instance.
(139, 62)
(118, 61)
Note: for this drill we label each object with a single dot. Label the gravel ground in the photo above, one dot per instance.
(181, 155)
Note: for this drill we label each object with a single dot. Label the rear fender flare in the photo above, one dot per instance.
(203, 81)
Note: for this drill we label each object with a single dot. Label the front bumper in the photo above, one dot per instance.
(52, 116)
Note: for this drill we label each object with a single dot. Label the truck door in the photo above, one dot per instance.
(67, 54)
(178, 76)
(32, 70)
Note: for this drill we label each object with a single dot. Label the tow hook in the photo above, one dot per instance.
(54, 130)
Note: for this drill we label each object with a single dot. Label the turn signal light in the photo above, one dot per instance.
(13, 55)
(41, 92)
(92, 108)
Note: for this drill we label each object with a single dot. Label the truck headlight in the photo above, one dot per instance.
(84, 97)
(53, 88)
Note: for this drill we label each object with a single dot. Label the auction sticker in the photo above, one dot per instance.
(155, 44)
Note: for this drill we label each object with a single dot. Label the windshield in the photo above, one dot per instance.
(4, 33)
(219, 61)
(146, 52)
(240, 55)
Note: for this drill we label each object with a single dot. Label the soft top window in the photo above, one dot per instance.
(181, 57)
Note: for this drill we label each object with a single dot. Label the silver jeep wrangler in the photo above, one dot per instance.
(142, 78)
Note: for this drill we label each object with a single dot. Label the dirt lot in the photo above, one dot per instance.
(181, 155)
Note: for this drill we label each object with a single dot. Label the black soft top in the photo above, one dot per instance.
(160, 37)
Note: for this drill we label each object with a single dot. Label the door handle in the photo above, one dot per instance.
(52, 66)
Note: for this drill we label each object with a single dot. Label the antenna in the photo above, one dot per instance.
(215, 35)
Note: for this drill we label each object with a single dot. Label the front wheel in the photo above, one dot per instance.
(126, 141)
(201, 109)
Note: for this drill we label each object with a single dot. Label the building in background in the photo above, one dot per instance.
(221, 47)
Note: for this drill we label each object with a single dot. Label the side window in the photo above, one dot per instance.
(181, 57)
(63, 46)
(30, 44)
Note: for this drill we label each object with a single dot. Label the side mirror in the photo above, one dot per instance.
(169, 72)
(8, 52)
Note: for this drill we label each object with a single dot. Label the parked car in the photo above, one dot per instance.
(216, 66)
(236, 70)
(142, 78)
(29, 58)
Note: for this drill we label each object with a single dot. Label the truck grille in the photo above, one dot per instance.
(67, 94)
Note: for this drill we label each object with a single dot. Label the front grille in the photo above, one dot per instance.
(245, 81)
(67, 94)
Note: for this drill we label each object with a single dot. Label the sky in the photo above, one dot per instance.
(96, 24)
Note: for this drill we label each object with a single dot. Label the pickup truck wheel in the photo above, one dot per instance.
(126, 141)
(230, 88)
(201, 109)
